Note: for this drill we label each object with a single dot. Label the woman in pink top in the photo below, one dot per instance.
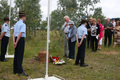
(101, 34)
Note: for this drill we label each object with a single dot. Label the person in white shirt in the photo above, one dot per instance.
(66, 27)
(114, 25)
(113, 22)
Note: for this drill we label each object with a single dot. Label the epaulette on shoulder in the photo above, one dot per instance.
(5, 24)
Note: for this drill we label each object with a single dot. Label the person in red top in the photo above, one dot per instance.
(101, 34)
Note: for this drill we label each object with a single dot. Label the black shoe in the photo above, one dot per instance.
(76, 64)
(5, 60)
(15, 72)
(84, 65)
(22, 74)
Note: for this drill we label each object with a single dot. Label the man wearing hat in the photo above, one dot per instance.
(81, 42)
(19, 43)
(71, 37)
(5, 34)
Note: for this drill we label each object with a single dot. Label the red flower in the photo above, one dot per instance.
(54, 57)
(57, 58)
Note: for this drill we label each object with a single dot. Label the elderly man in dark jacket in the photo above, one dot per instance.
(108, 27)
(72, 39)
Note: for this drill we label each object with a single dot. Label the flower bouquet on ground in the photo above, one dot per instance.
(56, 60)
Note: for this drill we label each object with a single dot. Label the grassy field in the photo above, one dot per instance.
(103, 65)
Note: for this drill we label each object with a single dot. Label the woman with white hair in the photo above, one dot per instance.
(71, 37)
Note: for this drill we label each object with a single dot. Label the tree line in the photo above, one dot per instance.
(32, 9)
(75, 9)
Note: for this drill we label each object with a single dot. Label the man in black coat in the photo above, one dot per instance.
(89, 24)
(108, 26)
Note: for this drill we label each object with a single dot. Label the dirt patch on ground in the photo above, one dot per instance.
(109, 52)
(33, 61)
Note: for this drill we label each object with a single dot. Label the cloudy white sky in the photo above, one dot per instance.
(110, 8)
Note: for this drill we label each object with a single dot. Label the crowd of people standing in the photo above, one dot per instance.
(90, 32)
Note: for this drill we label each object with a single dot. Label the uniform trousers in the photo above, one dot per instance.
(81, 53)
(19, 53)
(4, 44)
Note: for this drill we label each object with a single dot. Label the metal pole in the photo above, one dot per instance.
(9, 21)
(10, 11)
(48, 25)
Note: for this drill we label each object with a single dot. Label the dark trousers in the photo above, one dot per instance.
(108, 37)
(71, 49)
(81, 52)
(94, 43)
(4, 44)
(112, 37)
(18, 59)
(89, 41)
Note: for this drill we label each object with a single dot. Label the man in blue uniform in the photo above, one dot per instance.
(81, 41)
(5, 34)
(19, 43)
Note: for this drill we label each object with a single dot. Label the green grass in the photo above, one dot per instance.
(101, 66)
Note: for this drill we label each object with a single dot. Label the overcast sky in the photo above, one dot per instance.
(110, 8)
